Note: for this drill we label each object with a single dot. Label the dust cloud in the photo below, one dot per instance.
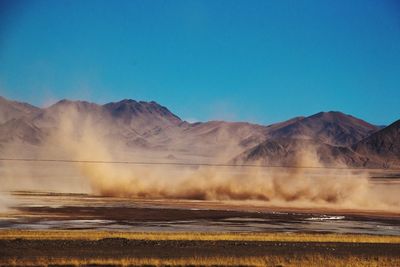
(294, 187)
(5, 201)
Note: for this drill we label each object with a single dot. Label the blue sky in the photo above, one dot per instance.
(260, 61)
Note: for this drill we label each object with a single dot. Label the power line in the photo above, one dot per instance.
(196, 164)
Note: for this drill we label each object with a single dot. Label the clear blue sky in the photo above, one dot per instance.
(261, 61)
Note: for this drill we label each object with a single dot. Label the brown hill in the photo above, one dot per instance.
(300, 152)
(147, 127)
(381, 149)
(334, 128)
(382, 146)
(20, 131)
(14, 110)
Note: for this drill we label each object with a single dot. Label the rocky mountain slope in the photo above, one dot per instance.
(334, 128)
(300, 152)
(382, 146)
(148, 128)
(15, 110)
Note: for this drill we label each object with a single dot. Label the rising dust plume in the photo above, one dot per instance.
(286, 187)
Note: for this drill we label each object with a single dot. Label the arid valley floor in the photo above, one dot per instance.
(49, 228)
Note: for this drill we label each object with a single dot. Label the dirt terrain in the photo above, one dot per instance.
(88, 230)
(120, 247)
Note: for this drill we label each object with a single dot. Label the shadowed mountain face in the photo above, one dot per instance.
(15, 110)
(383, 145)
(326, 136)
(334, 128)
(128, 110)
(149, 128)
(300, 152)
(20, 130)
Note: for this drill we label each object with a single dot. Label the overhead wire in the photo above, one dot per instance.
(195, 164)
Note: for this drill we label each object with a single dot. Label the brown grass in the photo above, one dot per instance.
(311, 260)
(283, 237)
(308, 260)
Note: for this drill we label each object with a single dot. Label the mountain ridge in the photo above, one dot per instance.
(143, 127)
(333, 127)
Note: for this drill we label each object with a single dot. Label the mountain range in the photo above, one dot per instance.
(150, 130)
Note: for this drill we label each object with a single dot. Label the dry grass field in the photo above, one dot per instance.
(198, 236)
(308, 260)
(101, 248)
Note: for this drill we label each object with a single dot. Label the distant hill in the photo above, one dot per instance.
(380, 149)
(20, 130)
(300, 152)
(382, 146)
(133, 126)
(14, 110)
(148, 129)
(334, 128)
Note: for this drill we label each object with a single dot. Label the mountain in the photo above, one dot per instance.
(142, 116)
(334, 128)
(382, 146)
(380, 149)
(141, 127)
(128, 110)
(149, 130)
(14, 110)
(143, 124)
(20, 130)
(148, 126)
(300, 152)
(127, 122)
(218, 139)
(51, 117)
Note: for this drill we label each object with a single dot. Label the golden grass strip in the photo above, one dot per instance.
(283, 237)
(308, 260)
